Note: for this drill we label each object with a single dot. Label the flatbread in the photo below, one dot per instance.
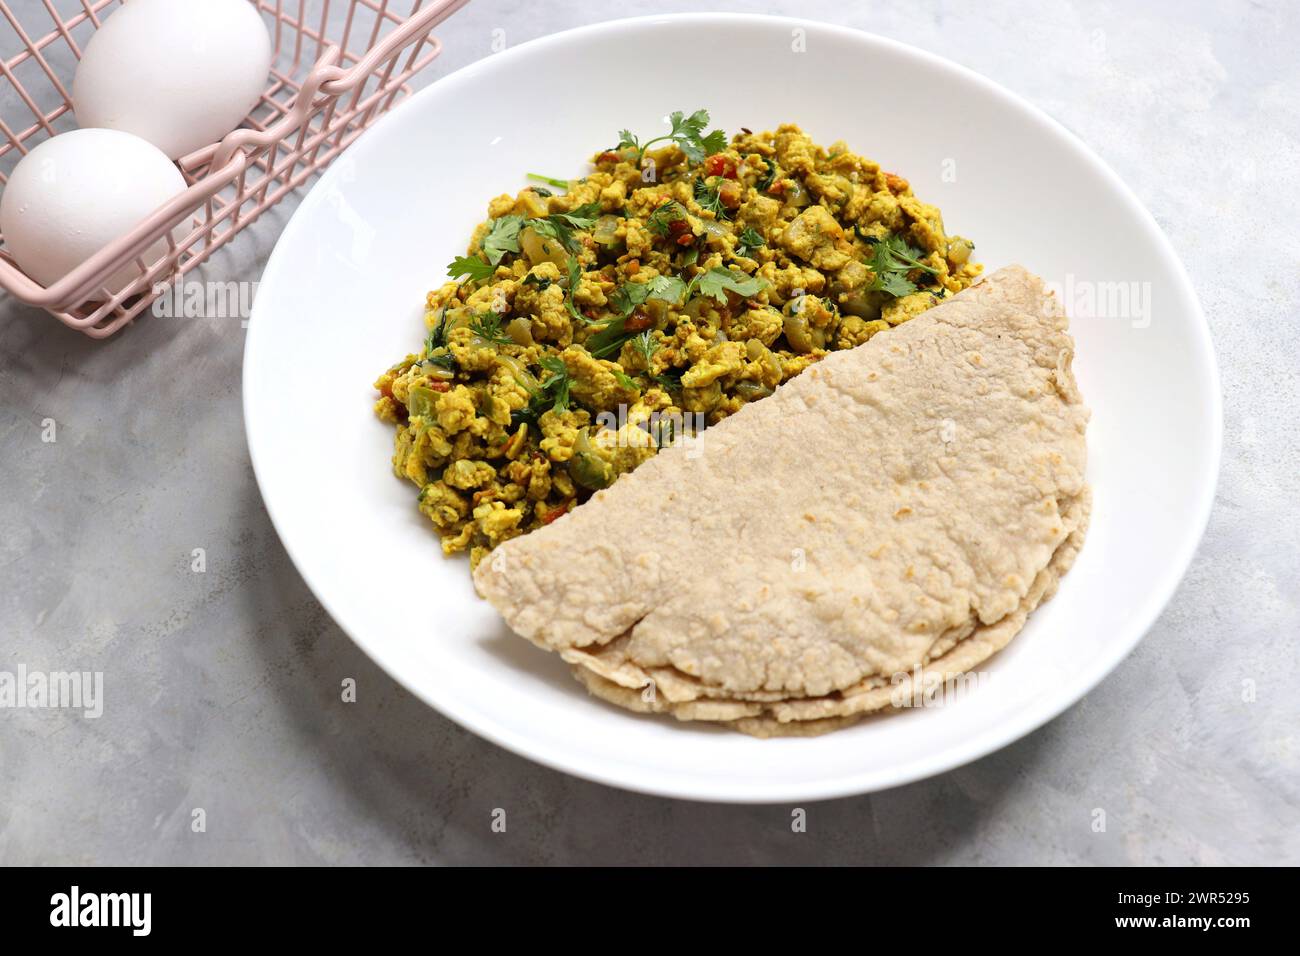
(629, 686)
(901, 505)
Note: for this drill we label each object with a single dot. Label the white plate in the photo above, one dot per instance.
(342, 299)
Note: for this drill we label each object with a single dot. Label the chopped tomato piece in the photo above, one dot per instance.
(638, 321)
(679, 231)
(720, 165)
(555, 513)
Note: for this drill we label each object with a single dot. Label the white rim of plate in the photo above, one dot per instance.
(863, 781)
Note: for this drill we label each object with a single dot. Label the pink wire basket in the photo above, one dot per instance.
(323, 93)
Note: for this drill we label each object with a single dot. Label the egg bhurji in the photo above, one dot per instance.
(681, 279)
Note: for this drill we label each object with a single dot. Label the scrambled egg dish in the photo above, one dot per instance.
(684, 277)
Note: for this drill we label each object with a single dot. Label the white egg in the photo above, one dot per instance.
(73, 194)
(180, 74)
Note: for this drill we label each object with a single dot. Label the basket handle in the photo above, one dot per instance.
(327, 79)
(420, 23)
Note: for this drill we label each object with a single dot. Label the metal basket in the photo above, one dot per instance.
(324, 91)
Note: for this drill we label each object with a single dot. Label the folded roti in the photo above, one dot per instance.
(891, 515)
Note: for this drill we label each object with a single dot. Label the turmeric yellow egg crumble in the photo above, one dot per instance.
(593, 321)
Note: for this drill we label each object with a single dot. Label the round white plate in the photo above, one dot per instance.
(342, 299)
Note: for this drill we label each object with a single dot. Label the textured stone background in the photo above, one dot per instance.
(222, 686)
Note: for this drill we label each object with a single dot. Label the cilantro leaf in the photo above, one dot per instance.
(710, 198)
(437, 337)
(560, 226)
(629, 295)
(552, 391)
(555, 387)
(487, 326)
(610, 339)
(688, 132)
(893, 283)
(668, 289)
(670, 379)
(719, 280)
(892, 259)
(647, 346)
(580, 218)
(470, 266)
(444, 360)
(750, 239)
(502, 237)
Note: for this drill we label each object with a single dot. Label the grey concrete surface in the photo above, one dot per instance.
(221, 687)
